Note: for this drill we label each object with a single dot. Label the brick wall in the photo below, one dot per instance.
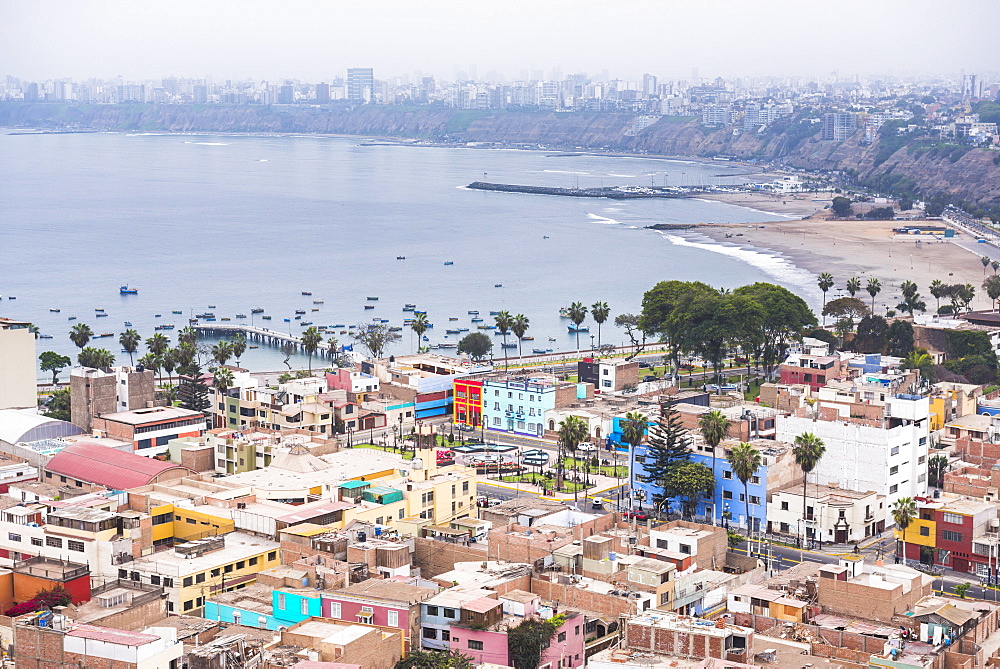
(971, 481)
(674, 642)
(979, 453)
(855, 599)
(580, 598)
(38, 648)
(435, 557)
(198, 458)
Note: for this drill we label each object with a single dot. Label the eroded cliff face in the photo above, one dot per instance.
(973, 177)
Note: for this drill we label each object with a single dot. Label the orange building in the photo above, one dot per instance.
(468, 402)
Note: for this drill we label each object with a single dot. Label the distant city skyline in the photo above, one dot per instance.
(315, 41)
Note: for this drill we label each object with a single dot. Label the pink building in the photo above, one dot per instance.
(481, 632)
(385, 602)
(352, 381)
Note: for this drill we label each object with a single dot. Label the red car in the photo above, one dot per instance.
(636, 515)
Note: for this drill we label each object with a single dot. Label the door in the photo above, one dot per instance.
(840, 536)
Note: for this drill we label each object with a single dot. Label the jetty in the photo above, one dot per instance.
(610, 192)
(253, 333)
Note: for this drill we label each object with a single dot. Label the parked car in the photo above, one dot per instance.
(635, 515)
(587, 447)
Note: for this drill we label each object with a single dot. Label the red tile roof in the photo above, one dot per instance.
(109, 467)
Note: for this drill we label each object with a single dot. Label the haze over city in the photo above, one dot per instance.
(316, 40)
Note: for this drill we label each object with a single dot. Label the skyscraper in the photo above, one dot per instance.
(322, 93)
(360, 84)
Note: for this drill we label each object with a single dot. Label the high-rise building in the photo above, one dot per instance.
(101, 391)
(286, 95)
(200, 94)
(838, 126)
(18, 388)
(360, 84)
(322, 93)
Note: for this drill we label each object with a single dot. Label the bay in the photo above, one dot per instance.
(240, 222)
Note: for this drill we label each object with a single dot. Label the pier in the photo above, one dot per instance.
(253, 334)
(610, 192)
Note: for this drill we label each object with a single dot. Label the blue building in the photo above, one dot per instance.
(728, 502)
(519, 405)
(263, 607)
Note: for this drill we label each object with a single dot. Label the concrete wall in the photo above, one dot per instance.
(435, 557)
(17, 369)
(861, 601)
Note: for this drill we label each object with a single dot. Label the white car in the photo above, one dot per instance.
(586, 448)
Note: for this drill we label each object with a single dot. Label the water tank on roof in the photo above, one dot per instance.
(362, 537)
(378, 530)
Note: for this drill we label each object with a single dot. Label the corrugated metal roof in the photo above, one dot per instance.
(313, 511)
(108, 467)
(112, 635)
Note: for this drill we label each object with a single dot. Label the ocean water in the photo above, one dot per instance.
(252, 221)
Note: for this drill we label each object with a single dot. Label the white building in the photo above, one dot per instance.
(832, 513)
(18, 389)
(888, 457)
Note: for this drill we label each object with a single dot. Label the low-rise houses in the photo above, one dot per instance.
(833, 514)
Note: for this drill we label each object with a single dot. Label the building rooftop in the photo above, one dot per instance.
(826, 492)
(343, 465)
(237, 546)
(109, 467)
(333, 632)
(112, 635)
(687, 624)
(392, 591)
(151, 415)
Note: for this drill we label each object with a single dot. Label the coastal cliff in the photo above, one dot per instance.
(971, 175)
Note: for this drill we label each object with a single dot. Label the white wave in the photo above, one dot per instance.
(603, 219)
(208, 143)
(627, 176)
(262, 160)
(790, 217)
(566, 172)
(771, 263)
(144, 134)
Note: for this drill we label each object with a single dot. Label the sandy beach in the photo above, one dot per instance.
(853, 248)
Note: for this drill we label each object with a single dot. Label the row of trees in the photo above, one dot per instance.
(959, 295)
(693, 317)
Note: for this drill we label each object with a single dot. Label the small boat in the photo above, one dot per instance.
(226, 318)
(298, 317)
(266, 318)
(400, 257)
(128, 324)
(429, 325)
(426, 338)
(176, 311)
(96, 309)
(407, 321)
(55, 311)
(453, 319)
(306, 292)
(395, 329)
(314, 309)
(253, 346)
(193, 321)
(486, 327)
(449, 262)
(317, 301)
(167, 327)
(564, 313)
(579, 328)
(369, 306)
(45, 336)
(552, 338)
(538, 350)
(527, 338)
(207, 314)
(257, 310)
(105, 334)
(241, 315)
(448, 344)
(477, 320)
(497, 333)
(463, 329)
(102, 315)
(383, 320)
(409, 307)
(300, 311)
(287, 320)
(72, 318)
(11, 297)
(417, 311)
(212, 319)
(156, 315)
(125, 290)
(351, 327)
(508, 345)
(473, 313)
(545, 236)
(372, 299)
(498, 285)
(453, 331)
(211, 306)
(343, 332)
(305, 323)
(494, 313)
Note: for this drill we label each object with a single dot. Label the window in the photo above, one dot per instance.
(74, 545)
(228, 568)
(162, 518)
(684, 548)
(272, 556)
(893, 470)
(335, 610)
(446, 635)
(451, 613)
(304, 606)
(727, 474)
(154, 579)
(475, 645)
(952, 518)
(168, 582)
(784, 506)
(199, 578)
(755, 480)
(187, 581)
(281, 601)
(191, 521)
(36, 541)
(754, 499)
(242, 564)
(393, 619)
(188, 605)
(893, 489)
(948, 535)
(13, 537)
(253, 561)
(561, 637)
(432, 611)
(430, 633)
(123, 573)
(727, 494)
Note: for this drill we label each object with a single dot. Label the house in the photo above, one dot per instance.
(89, 466)
(833, 514)
(608, 376)
(520, 405)
(811, 370)
(150, 429)
(683, 635)
(390, 603)
(338, 645)
(955, 532)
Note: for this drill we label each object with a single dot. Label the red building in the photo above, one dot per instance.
(811, 370)
(468, 402)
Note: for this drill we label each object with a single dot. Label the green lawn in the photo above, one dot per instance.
(387, 449)
(541, 480)
(609, 470)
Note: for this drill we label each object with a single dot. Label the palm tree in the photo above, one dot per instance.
(853, 285)
(825, 283)
(418, 327)
(992, 287)
(714, 425)
(170, 360)
(745, 460)
(577, 313)
(986, 263)
(572, 432)
(311, 339)
(874, 287)
(158, 344)
(333, 349)
(187, 336)
(599, 311)
(519, 325)
(222, 379)
(98, 358)
(808, 451)
(995, 265)
(920, 360)
(634, 428)
(239, 344)
(222, 352)
(904, 512)
(80, 334)
(504, 320)
(938, 289)
(130, 343)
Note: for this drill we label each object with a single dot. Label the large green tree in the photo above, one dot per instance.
(825, 283)
(785, 316)
(503, 321)
(375, 337)
(418, 326)
(80, 334)
(666, 444)
(871, 336)
(519, 326)
(688, 481)
(59, 405)
(55, 363)
(192, 391)
(528, 640)
(98, 358)
(577, 313)
(239, 346)
(129, 341)
(713, 427)
(434, 659)
(476, 345)
(899, 338)
(668, 310)
(573, 431)
(904, 512)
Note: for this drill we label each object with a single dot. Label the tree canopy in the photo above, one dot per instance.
(476, 345)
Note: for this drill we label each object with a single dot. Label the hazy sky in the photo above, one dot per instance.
(315, 40)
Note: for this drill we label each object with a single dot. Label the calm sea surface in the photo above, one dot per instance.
(252, 221)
